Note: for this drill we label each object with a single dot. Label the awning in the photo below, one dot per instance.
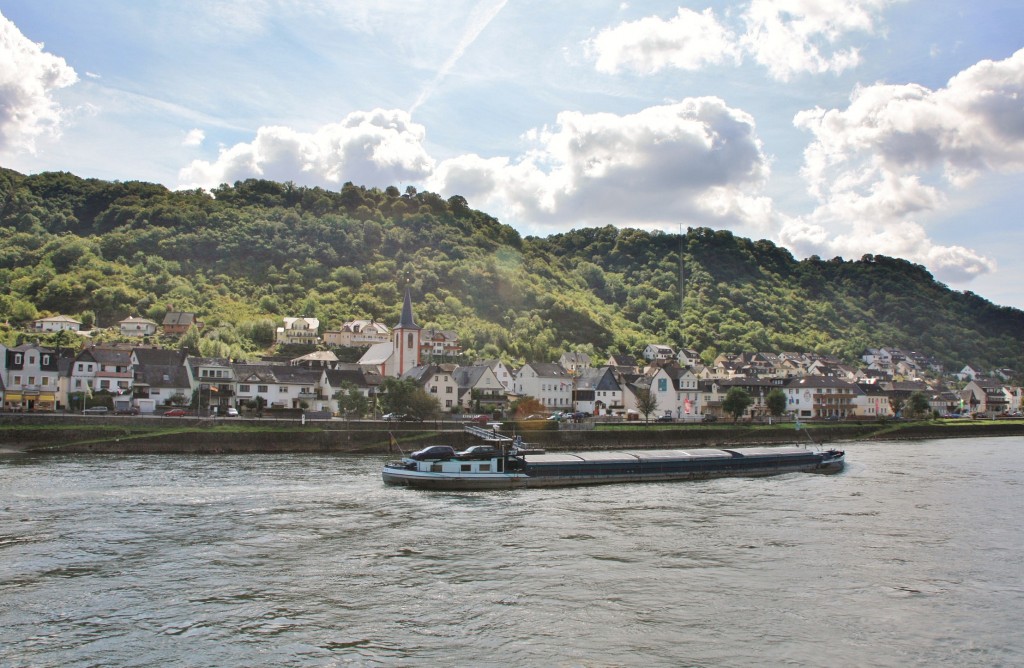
(12, 396)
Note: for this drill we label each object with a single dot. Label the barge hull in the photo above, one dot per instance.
(612, 468)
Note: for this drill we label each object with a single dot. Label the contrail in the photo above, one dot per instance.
(480, 18)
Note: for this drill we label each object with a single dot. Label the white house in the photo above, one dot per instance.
(656, 351)
(437, 380)
(504, 374)
(280, 386)
(478, 386)
(57, 323)
(31, 381)
(301, 331)
(547, 382)
(133, 326)
(357, 334)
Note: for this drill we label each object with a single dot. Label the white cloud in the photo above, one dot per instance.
(695, 161)
(194, 137)
(28, 77)
(788, 37)
(376, 148)
(688, 41)
(893, 156)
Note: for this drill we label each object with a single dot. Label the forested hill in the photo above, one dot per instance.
(246, 255)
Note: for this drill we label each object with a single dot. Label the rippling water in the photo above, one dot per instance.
(912, 556)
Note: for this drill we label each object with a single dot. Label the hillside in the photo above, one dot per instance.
(247, 254)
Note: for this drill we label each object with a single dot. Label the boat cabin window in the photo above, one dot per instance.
(501, 466)
(436, 468)
(467, 467)
(485, 467)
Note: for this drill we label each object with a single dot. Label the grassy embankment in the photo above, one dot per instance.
(125, 435)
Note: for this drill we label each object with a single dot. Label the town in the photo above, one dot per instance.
(661, 383)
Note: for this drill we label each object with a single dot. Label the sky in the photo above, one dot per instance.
(835, 128)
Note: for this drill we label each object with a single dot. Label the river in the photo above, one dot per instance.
(913, 556)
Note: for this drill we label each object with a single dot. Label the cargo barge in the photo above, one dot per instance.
(441, 468)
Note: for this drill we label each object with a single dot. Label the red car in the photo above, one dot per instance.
(176, 412)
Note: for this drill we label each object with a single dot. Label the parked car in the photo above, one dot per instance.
(664, 418)
(401, 417)
(578, 415)
(478, 452)
(479, 419)
(127, 411)
(709, 418)
(97, 410)
(176, 412)
(556, 416)
(232, 412)
(434, 452)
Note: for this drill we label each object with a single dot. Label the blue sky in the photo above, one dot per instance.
(831, 127)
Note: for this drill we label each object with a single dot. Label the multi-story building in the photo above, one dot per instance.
(31, 380)
(299, 331)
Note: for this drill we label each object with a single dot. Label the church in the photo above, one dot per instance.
(394, 358)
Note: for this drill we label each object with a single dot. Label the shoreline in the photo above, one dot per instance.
(31, 435)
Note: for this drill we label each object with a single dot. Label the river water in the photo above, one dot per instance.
(914, 556)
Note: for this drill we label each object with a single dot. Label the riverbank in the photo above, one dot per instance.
(128, 435)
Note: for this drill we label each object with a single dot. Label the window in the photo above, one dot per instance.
(448, 390)
(81, 367)
(46, 381)
(283, 389)
(243, 388)
(17, 358)
(261, 388)
(46, 360)
(104, 384)
(17, 380)
(78, 382)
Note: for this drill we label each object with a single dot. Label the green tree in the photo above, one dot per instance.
(351, 402)
(776, 402)
(524, 406)
(918, 404)
(646, 402)
(406, 396)
(736, 401)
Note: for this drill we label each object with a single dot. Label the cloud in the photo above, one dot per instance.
(688, 41)
(28, 77)
(379, 147)
(787, 37)
(695, 161)
(894, 155)
(194, 137)
(798, 36)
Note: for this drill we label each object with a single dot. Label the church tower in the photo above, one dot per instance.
(406, 340)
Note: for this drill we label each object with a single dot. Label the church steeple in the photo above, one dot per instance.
(407, 321)
(406, 339)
